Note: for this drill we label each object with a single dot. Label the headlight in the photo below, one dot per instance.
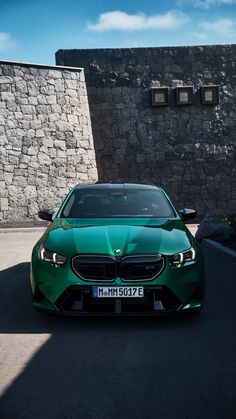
(48, 256)
(182, 257)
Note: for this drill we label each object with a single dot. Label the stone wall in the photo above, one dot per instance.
(46, 142)
(189, 150)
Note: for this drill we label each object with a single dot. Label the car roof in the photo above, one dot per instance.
(116, 185)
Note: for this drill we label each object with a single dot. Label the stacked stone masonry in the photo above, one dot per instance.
(189, 150)
(46, 142)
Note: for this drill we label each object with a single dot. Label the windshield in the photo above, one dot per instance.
(104, 203)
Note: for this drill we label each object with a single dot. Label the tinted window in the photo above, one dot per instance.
(92, 203)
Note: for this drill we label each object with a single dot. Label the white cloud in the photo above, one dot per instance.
(6, 41)
(122, 21)
(206, 4)
(223, 27)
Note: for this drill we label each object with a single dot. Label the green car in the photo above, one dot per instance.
(117, 249)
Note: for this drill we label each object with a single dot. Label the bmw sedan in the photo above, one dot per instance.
(117, 249)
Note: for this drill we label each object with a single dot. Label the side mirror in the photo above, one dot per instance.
(187, 214)
(46, 214)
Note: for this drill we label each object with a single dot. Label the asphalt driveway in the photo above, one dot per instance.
(71, 368)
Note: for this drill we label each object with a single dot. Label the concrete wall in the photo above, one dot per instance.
(189, 150)
(46, 142)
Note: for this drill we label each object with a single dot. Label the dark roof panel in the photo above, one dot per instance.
(111, 185)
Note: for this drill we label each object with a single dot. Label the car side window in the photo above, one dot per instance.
(67, 208)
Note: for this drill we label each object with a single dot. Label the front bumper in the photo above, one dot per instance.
(60, 291)
(78, 301)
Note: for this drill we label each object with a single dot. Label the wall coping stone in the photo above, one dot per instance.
(46, 66)
(62, 50)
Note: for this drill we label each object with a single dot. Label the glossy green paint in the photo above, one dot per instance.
(132, 236)
(105, 235)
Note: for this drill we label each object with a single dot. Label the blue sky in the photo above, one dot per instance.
(33, 30)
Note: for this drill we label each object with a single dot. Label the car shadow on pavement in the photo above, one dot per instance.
(17, 314)
(124, 368)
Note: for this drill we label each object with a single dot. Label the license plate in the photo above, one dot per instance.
(118, 292)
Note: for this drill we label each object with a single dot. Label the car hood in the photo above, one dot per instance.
(105, 236)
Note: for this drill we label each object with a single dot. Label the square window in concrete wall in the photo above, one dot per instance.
(184, 95)
(160, 96)
(210, 95)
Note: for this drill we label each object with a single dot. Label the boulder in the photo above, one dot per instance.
(212, 227)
